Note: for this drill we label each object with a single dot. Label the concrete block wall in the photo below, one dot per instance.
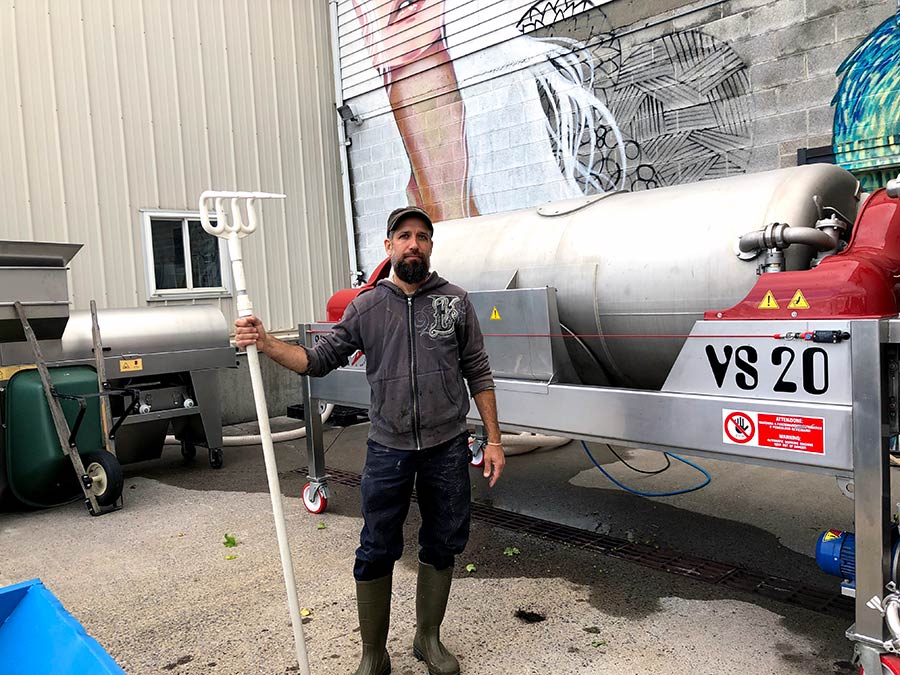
(793, 49)
(784, 55)
(281, 385)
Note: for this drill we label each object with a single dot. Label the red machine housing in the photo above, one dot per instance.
(338, 302)
(858, 283)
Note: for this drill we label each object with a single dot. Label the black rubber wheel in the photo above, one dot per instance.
(188, 451)
(106, 475)
(216, 458)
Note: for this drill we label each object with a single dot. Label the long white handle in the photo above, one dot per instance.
(233, 232)
(287, 566)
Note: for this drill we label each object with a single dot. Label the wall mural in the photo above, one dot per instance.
(679, 104)
(867, 108)
(597, 115)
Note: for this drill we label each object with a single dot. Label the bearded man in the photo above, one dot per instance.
(421, 339)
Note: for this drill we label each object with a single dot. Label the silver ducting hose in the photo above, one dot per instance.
(256, 439)
(780, 236)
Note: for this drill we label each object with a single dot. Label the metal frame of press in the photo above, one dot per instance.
(760, 368)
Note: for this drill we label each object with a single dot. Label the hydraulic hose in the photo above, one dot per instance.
(654, 494)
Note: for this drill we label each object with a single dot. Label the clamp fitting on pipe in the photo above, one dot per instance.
(889, 608)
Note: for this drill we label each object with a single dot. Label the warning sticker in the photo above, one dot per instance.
(8, 371)
(739, 428)
(495, 315)
(798, 301)
(768, 301)
(832, 535)
(130, 365)
(774, 430)
(787, 432)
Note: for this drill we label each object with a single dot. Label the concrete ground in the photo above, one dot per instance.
(152, 582)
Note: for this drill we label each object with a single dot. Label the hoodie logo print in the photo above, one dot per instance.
(446, 315)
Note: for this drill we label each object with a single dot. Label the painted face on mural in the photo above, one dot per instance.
(410, 250)
(399, 32)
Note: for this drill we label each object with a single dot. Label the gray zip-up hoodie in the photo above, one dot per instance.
(418, 350)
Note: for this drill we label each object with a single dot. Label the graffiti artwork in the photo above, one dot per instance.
(679, 104)
(507, 110)
(867, 108)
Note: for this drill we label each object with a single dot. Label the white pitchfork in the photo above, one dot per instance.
(233, 231)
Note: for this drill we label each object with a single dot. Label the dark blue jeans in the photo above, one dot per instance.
(440, 476)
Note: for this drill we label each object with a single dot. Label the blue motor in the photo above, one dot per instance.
(836, 555)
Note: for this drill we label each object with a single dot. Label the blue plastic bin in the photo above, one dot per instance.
(39, 637)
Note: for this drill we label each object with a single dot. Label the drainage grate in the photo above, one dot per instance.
(663, 559)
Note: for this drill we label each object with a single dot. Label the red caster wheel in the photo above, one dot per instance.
(890, 665)
(476, 452)
(316, 503)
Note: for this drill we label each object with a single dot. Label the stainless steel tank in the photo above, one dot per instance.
(177, 337)
(645, 264)
(178, 329)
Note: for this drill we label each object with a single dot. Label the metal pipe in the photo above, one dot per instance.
(892, 615)
(780, 236)
(893, 186)
(355, 273)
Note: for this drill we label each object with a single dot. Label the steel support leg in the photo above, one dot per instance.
(206, 388)
(315, 446)
(872, 488)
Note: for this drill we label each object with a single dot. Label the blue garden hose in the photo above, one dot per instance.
(654, 494)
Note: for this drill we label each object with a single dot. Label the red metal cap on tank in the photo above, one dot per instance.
(338, 302)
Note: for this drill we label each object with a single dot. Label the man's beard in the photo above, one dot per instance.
(411, 270)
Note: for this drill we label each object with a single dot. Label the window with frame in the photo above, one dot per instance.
(182, 260)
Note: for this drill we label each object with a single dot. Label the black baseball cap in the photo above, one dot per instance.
(399, 215)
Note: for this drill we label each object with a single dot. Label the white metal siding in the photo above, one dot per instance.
(114, 106)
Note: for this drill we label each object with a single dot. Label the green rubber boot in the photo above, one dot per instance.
(432, 591)
(373, 602)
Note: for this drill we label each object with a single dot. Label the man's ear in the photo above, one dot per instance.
(387, 246)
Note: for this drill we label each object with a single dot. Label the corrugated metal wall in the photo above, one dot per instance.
(112, 106)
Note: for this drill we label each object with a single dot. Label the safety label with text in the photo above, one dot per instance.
(130, 365)
(780, 431)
